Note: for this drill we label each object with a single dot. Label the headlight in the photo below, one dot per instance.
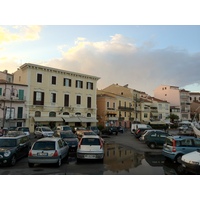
(7, 153)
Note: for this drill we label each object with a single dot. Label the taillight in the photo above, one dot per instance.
(173, 146)
(30, 153)
(138, 131)
(101, 144)
(79, 144)
(55, 153)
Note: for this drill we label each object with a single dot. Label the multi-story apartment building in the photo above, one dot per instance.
(121, 105)
(185, 105)
(57, 96)
(13, 111)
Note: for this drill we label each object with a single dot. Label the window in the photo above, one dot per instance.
(37, 114)
(67, 82)
(108, 104)
(53, 80)
(20, 112)
(79, 84)
(78, 100)
(66, 100)
(89, 85)
(52, 114)
(88, 114)
(89, 102)
(21, 94)
(0, 91)
(39, 78)
(38, 98)
(145, 115)
(53, 97)
(114, 106)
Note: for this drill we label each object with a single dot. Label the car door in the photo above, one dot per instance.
(22, 148)
(62, 148)
(162, 137)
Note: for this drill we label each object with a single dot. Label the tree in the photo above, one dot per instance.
(173, 117)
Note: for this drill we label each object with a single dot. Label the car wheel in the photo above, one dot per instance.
(13, 160)
(58, 164)
(178, 158)
(31, 164)
(152, 145)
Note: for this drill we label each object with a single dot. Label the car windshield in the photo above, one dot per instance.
(89, 133)
(66, 128)
(24, 129)
(44, 145)
(7, 142)
(46, 129)
(90, 141)
(67, 135)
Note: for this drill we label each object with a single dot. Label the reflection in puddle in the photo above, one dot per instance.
(119, 160)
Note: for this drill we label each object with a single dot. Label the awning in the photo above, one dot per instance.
(48, 119)
(79, 119)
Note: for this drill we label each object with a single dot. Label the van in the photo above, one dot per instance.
(134, 127)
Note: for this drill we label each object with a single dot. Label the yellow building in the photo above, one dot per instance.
(58, 97)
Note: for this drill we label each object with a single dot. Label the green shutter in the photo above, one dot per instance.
(0, 91)
(21, 94)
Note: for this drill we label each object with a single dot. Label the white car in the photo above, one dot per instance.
(48, 150)
(90, 147)
(43, 131)
(191, 161)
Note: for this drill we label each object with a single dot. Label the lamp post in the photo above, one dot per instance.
(12, 90)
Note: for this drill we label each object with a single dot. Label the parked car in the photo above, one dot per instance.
(69, 137)
(120, 129)
(140, 131)
(90, 147)
(81, 133)
(63, 128)
(13, 146)
(48, 150)
(191, 161)
(134, 127)
(155, 138)
(177, 146)
(109, 130)
(94, 129)
(24, 129)
(43, 131)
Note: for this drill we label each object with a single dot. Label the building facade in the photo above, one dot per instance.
(58, 97)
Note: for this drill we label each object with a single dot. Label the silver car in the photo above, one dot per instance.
(43, 131)
(90, 147)
(48, 150)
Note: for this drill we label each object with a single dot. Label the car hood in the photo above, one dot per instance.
(191, 157)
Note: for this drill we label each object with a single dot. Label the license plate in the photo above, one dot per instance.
(90, 156)
(42, 154)
(73, 145)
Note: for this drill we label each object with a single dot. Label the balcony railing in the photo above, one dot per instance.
(123, 108)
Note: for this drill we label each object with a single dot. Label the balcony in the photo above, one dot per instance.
(121, 118)
(123, 108)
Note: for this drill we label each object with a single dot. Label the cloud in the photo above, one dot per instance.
(19, 33)
(120, 61)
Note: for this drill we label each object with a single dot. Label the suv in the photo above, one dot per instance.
(176, 146)
(155, 138)
(13, 146)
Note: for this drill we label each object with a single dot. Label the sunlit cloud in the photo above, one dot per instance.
(19, 33)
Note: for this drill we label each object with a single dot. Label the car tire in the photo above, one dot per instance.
(59, 163)
(13, 160)
(178, 158)
(152, 145)
(31, 165)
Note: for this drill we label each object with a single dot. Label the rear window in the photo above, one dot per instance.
(90, 141)
(44, 145)
(168, 142)
(66, 128)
